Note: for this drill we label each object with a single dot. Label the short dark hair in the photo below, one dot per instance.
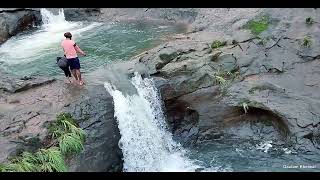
(68, 35)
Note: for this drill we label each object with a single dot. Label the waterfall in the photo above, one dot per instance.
(49, 18)
(56, 23)
(146, 143)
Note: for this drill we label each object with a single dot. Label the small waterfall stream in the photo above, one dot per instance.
(146, 143)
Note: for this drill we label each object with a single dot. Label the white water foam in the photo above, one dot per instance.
(265, 146)
(27, 47)
(146, 143)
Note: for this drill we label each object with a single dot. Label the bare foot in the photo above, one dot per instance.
(68, 81)
(74, 82)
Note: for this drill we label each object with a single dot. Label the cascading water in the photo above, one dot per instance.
(146, 143)
(29, 47)
(53, 22)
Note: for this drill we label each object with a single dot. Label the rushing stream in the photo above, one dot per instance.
(35, 52)
(146, 142)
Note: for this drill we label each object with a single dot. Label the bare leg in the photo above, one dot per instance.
(69, 79)
(74, 73)
(79, 77)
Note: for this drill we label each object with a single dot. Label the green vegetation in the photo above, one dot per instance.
(68, 139)
(307, 42)
(216, 44)
(70, 143)
(69, 136)
(220, 80)
(224, 78)
(258, 26)
(309, 21)
(45, 160)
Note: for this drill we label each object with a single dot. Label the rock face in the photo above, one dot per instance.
(81, 14)
(95, 114)
(15, 20)
(11, 83)
(175, 15)
(272, 76)
(25, 115)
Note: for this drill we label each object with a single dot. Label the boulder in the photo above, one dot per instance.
(15, 20)
(95, 114)
(25, 115)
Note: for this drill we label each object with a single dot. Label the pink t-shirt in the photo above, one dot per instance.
(69, 48)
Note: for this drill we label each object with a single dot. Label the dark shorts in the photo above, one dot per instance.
(74, 63)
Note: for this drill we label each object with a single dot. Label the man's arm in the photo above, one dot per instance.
(77, 48)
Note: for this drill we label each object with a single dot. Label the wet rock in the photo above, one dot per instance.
(174, 15)
(15, 20)
(11, 83)
(81, 14)
(24, 126)
(193, 131)
(95, 114)
(276, 76)
(229, 62)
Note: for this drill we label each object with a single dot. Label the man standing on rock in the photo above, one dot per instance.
(70, 49)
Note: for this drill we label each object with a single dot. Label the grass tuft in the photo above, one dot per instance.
(70, 138)
(45, 160)
(216, 44)
(307, 42)
(258, 26)
(51, 160)
(70, 143)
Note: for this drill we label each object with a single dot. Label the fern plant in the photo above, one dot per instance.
(2, 167)
(70, 138)
(45, 160)
(70, 143)
(51, 160)
(25, 163)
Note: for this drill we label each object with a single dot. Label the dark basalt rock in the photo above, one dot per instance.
(15, 20)
(95, 114)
